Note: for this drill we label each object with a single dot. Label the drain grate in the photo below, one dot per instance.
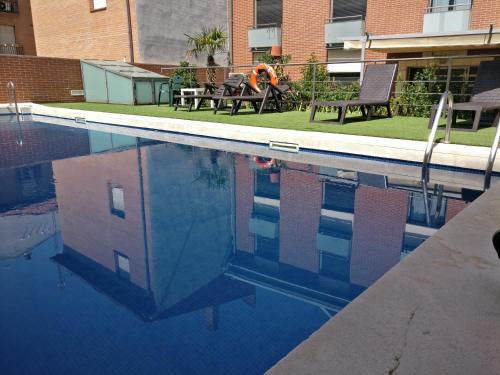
(80, 120)
(284, 146)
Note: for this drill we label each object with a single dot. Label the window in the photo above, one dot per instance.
(122, 265)
(265, 186)
(7, 34)
(98, 4)
(258, 54)
(117, 201)
(334, 242)
(339, 196)
(349, 8)
(448, 5)
(268, 12)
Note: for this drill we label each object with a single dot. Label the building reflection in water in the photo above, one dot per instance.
(166, 229)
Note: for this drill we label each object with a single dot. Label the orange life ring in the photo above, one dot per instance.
(263, 163)
(262, 67)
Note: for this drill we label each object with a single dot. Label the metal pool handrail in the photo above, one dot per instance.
(446, 98)
(11, 87)
(493, 154)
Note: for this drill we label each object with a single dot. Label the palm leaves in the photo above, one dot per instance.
(209, 42)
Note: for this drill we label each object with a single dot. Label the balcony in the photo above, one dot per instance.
(11, 49)
(336, 29)
(264, 36)
(447, 18)
(9, 6)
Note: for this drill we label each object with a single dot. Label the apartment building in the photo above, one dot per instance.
(347, 29)
(16, 28)
(146, 31)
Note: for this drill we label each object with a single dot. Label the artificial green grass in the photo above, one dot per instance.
(412, 128)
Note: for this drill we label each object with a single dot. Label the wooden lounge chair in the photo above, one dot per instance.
(211, 92)
(485, 95)
(375, 92)
(249, 94)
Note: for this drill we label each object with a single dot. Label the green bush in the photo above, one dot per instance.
(188, 72)
(417, 97)
(279, 69)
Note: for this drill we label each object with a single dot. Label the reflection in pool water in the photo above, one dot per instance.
(150, 257)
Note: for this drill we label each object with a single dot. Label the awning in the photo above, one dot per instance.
(426, 42)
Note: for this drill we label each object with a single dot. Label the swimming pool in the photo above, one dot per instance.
(124, 253)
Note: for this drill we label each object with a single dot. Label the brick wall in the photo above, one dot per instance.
(300, 210)
(395, 16)
(303, 31)
(378, 232)
(40, 79)
(44, 79)
(484, 13)
(23, 24)
(40, 143)
(244, 204)
(83, 193)
(243, 19)
(70, 29)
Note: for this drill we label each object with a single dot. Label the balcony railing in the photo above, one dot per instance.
(9, 6)
(342, 27)
(264, 36)
(464, 5)
(447, 18)
(11, 49)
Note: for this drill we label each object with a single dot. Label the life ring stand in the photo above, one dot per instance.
(263, 163)
(262, 67)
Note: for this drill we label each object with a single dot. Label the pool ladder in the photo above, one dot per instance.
(11, 88)
(447, 98)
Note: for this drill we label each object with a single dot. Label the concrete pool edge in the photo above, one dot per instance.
(436, 312)
(469, 157)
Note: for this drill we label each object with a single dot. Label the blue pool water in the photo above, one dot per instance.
(131, 255)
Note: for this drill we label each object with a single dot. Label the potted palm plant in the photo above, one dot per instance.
(209, 42)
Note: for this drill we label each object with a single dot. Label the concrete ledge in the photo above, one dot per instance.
(470, 157)
(437, 312)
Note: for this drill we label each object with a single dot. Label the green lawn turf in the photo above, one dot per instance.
(413, 128)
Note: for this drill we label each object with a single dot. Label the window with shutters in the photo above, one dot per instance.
(268, 12)
(349, 8)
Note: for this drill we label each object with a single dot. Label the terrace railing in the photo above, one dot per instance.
(11, 49)
(413, 94)
(462, 5)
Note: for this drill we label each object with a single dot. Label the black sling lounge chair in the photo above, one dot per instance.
(375, 92)
(272, 93)
(485, 95)
(212, 92)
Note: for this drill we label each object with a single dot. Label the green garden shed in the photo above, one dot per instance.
(120, 83)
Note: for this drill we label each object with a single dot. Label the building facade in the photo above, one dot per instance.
(147, 31)
(336, 30)
(16, 28)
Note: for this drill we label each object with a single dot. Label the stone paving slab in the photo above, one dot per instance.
(437, 312)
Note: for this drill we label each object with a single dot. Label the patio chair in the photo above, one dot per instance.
(272, 93)
(485, 95)
(212, 92)
(375, 92)
(169, 88)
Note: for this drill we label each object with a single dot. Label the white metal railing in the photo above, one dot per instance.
(465, 5)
